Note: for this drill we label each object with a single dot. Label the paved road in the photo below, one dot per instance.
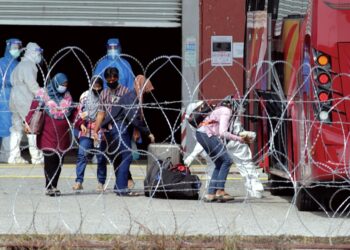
(25, 209)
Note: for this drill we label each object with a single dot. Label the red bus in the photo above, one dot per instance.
(302, 112)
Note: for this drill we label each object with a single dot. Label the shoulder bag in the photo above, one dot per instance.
(37, 122)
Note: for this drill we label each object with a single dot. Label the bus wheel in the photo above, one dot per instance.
(280, 186)
(305, 200)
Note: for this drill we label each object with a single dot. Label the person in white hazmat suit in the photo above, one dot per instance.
(24, 87)
(239, 152)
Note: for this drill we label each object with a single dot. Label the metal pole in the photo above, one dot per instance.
(269, 48)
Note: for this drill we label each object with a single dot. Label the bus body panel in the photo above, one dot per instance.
(317, 151)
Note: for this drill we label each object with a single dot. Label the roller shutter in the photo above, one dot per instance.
(122, 13)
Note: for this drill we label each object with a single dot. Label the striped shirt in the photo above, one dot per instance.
(110, 97)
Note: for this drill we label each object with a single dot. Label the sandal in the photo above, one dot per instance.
(131, 184)
(209, 198)
(224, 197)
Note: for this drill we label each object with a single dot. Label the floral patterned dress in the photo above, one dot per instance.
(57, 129)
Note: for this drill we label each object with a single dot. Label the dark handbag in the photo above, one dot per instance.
(166, 181)
(37, 122)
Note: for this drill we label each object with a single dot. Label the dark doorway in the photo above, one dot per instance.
(145, 44)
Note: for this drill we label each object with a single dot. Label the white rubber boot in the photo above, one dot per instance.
(242, 157)
(15, 152)
(5, 149)
(253, 185)
(36, 154)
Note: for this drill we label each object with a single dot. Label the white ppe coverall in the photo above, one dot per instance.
(24, 88)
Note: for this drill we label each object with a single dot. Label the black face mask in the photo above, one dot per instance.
(113, 85)
(96, 92)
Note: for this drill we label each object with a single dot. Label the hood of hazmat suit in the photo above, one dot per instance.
(113, 59)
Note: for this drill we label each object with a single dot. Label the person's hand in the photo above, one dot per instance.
(83, 128)
(241, 139)
(95, 135)
(83, 115)
(188, 161)
(26, 129)
(151, 137)
(247, 139)
(136, 135)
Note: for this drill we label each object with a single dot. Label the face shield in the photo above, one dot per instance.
(113, 50)
(15, 49)
(38, 54)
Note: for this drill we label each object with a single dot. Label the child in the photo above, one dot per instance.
(88, 109)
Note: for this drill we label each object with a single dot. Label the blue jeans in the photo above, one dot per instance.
(219, 155)
(85, 146)
(119, 151)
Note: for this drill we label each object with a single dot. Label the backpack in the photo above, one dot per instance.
(199, 114)
(166, 181)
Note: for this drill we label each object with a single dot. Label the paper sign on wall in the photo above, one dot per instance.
(221, 50)
(190, 52)
(238, 50)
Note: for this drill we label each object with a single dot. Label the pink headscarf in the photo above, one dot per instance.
(141, 83)
(144, 85)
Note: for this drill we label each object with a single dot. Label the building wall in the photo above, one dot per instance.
(221, 18)
(190, 66)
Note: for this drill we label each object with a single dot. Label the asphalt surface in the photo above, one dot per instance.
(24, 208)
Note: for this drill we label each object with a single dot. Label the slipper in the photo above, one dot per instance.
(224, 197)
(209, 199)
(53, 192)
(129, 194)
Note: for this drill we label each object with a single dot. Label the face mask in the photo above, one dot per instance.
(112, 85)
(61, 89)
(113, 53)
(37, 58)
(96, 92)
(15, 53)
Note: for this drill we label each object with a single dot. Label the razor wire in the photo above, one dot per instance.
(25, 208)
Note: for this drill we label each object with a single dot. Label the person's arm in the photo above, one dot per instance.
(78, 117)
(99, 119)
(224, 122)
(2, 73)
(74, 115)
(196, 151)
(101, 114)
(29, 75)
(134, 116)
(141, 126)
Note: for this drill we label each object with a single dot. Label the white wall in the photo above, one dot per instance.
(190, 34)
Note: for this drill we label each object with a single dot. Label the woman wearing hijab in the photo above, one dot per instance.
(88, 109)
(211, 134)
(54, 138)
